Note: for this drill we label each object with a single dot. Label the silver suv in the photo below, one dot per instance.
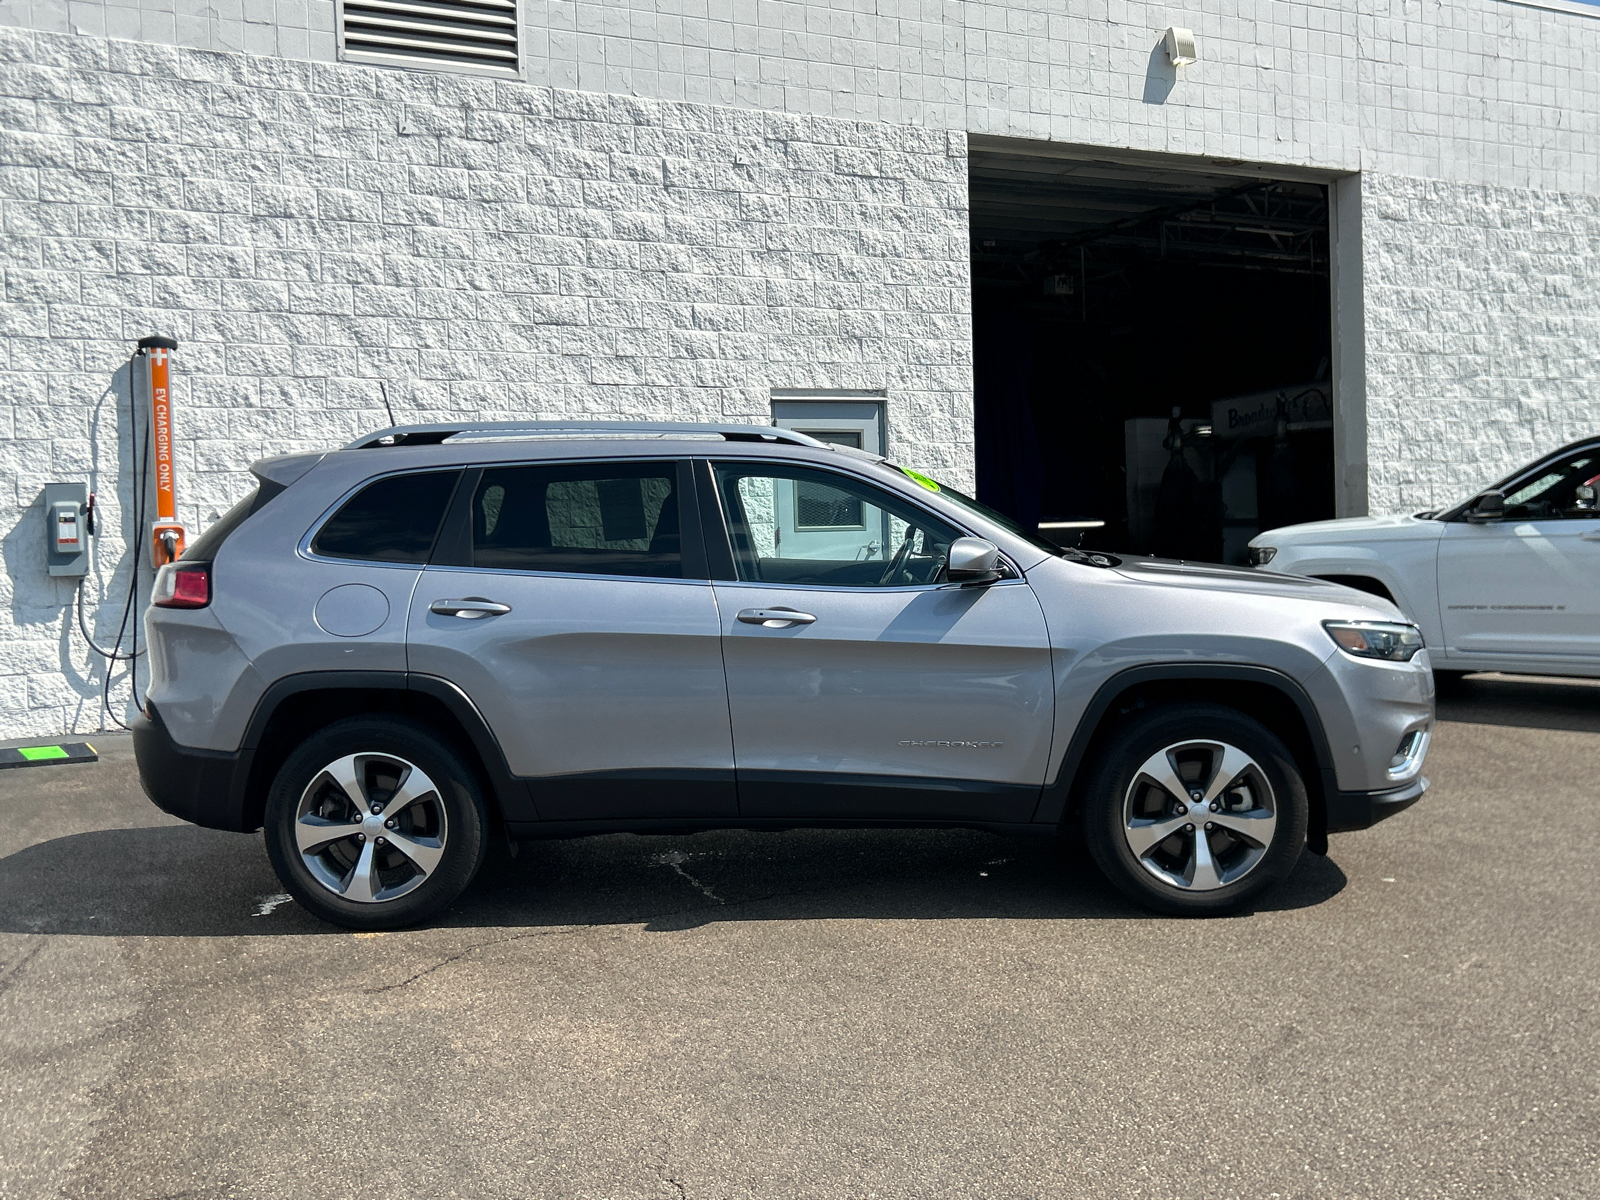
(390, 651)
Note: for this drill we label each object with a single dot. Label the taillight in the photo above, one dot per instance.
(183, 585)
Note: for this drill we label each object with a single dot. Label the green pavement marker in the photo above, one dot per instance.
(44, 756)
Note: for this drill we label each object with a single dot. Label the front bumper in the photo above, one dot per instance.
(205, 787)
(1368, 708)
(1349, 811)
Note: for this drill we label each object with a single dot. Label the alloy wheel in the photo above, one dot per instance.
(371, 827)
(1199, 815)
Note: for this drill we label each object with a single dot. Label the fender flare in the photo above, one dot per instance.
(1053, 801)
(510, 794)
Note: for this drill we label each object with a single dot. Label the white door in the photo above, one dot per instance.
(1526, 588)
(854, 422)
(822, 523)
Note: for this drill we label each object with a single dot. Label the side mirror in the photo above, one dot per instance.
(1491, 506)
(1583, 498)
(973, 560)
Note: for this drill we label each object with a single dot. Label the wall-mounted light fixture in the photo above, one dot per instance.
(1180, 46)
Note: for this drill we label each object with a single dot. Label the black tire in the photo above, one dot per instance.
(443, 825)
(1120, 802)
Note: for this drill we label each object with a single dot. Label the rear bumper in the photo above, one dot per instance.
(1348, 811)
(205, 787)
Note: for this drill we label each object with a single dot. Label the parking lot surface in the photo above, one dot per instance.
(820, 1013)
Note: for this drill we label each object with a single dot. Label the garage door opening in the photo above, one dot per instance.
(1152, 351)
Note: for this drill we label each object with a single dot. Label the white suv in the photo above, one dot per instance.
(1508, 580)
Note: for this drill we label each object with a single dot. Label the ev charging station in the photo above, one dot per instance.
(167, 532)
(70, 515)
(70, 507)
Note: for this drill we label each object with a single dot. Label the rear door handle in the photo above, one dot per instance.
(774, 618)
(470, 609)
(1591, 537)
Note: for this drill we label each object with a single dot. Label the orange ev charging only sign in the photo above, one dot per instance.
(167, 535)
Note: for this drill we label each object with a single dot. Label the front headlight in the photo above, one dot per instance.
(1388, 640)
(1260, 556)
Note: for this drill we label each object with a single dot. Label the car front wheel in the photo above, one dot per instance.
(375, 823)
(1195, 809)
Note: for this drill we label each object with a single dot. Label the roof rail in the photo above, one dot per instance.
(475, 431)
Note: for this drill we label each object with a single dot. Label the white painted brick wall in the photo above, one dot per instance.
(1498, 92)
(1479, 91)
(291, 28)
(492, 250)
(1483, 333)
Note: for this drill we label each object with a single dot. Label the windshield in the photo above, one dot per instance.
(979, 509)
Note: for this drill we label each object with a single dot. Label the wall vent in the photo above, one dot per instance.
(478, 36)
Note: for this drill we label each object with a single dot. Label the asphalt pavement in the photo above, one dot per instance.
(820, 1014)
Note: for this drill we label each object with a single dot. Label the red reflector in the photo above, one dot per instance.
(184, 587)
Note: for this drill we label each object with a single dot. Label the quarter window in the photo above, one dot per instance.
(591, 519)
(799, 525)
(393, 520)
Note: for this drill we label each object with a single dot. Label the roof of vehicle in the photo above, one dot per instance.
(507, 431)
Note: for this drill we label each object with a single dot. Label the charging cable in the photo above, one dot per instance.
(141, 468)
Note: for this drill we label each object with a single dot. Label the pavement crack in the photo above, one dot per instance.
(718, 902)
(422, 974)
(675, 859)
(458, 956)
(664, 1173)
(8, 971)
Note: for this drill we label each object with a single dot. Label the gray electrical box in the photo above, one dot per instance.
(66, 533)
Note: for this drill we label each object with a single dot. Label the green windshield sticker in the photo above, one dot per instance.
(922, 479)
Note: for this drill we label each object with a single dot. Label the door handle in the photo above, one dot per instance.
(470, 609)
(774, 618)
(1591, 537)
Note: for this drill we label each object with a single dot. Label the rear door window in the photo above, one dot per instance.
(394, 519)
(600, 518)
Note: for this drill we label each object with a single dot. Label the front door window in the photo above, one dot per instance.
(798, 525)
(1552, 494)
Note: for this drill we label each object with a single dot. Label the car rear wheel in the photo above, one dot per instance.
(1195, 809)
(375, 823)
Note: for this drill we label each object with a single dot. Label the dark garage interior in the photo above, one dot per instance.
(1151, 351)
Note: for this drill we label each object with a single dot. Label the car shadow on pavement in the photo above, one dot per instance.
(182, 881)
(1522, 701)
